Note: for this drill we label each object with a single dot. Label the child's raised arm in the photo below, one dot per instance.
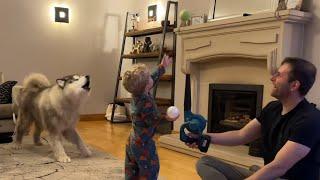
(166, 61)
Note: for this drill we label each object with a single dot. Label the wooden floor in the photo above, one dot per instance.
(111, 138)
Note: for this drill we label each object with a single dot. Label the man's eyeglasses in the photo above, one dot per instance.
(276, 74)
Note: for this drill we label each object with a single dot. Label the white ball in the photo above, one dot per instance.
(173, 112)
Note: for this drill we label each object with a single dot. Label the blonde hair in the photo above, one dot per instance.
(136, 79)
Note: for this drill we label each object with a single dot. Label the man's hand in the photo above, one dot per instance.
(193, 145)
(166, 61)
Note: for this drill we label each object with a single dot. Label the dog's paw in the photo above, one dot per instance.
(16, 146)
(86, 153)
(64, 159)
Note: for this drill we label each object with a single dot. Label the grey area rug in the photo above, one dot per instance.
(36, 162)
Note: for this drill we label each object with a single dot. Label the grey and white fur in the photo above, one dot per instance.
(54, 108)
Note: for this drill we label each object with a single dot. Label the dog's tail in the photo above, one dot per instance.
(36, 82)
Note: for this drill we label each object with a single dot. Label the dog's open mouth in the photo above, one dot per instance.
(87, 85)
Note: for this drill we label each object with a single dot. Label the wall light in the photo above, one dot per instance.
(152, 13)
(61, 14)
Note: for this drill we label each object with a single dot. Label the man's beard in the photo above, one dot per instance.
(280, 92)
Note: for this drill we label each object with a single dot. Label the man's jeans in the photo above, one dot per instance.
(211, 168)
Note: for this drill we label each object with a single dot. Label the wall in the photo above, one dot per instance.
(31, 42)
(312, 44)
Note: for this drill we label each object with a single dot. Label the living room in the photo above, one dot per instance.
(91, 43)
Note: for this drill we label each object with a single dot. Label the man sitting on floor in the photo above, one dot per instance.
(289, 128)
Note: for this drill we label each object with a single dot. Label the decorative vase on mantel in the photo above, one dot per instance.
(185, 18)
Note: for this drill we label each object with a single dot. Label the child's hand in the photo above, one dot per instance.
(166, 61)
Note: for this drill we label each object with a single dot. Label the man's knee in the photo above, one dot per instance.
(200, 164)
(205, 167)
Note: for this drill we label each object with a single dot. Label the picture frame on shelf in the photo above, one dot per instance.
(282, 5)
(198, 19)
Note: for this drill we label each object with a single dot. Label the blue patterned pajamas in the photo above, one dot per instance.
(142, 160)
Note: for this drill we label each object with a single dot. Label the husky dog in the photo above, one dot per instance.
(54, 108)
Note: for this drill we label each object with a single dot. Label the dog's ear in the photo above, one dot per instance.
(61, 82)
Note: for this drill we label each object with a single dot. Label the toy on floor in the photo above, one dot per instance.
(194, 123)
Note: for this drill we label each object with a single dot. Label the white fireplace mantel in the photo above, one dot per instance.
(266, 36)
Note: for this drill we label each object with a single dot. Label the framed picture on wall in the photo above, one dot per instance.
(294, 4)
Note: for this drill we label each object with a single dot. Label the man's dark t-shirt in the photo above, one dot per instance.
(300, 125)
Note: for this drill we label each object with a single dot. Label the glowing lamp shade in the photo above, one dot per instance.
(61, 14)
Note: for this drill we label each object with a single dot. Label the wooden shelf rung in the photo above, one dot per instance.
(146, 32)
(166, 77)
(159, 101)
(141, 55)
(146, 55)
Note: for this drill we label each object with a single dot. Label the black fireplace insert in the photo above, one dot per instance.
(232, 106)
